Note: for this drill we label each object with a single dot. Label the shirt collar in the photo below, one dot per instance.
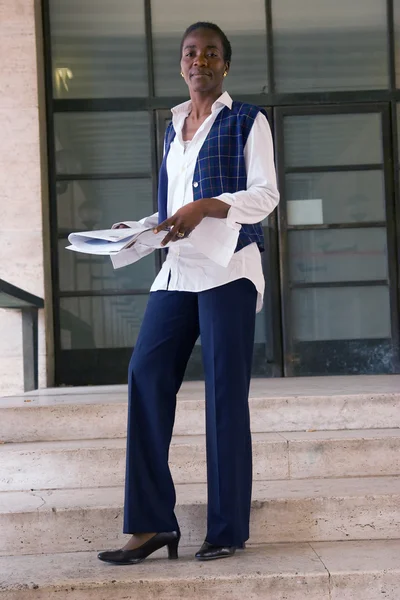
(184, 108)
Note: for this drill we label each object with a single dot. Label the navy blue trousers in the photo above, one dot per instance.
(225, 319)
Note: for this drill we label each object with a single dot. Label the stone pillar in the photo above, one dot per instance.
(24, 222)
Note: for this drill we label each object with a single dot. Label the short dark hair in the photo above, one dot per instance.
(206, 25)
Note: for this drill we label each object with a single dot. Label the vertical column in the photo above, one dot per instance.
(22, 181)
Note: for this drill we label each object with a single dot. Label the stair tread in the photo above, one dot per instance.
(187, 440)
(347, 403)
(183, 440)
(323, 387)
(196, 493)
(294, 560)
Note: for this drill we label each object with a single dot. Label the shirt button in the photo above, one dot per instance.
(195, 184)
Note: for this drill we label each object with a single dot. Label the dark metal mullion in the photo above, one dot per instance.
(285, 318)
(391, 40)
(270, 47)
(362, 99)
(355, 225)
(153, 122)
(102, 176)
(275, 296)
(340, 284)
(149, 46)
(109, 292)
(396, 198)
(334, 168)
(48, 76)
(101, 105)
(272, 299)
(392, 241)
(394, 231)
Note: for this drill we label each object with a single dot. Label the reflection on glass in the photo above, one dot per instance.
(333, 140)
(348, 313)
(260, 331)
(244, 25)
(320, 45)
(85, 273)
(346, 197)
(101, 321)
(337, 255)
(92, 143)
(98, 48)
(84, 205)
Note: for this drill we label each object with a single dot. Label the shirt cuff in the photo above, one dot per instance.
(232, 218)
(215, 240)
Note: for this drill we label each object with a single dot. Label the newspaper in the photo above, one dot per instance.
(108, 242)
(212, 238)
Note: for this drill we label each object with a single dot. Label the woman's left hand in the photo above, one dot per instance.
(182, 223)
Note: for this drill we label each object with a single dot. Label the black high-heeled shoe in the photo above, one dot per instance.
(211, 552)
(132, 557)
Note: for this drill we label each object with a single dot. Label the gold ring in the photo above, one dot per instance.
(180, 234)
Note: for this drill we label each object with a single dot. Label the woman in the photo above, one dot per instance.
(218, 163)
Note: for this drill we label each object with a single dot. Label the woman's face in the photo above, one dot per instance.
(202, 62)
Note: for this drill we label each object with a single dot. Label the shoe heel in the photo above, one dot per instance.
(173, 550)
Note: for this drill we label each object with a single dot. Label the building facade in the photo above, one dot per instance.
(86, 92)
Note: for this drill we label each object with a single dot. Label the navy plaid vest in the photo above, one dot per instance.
(220, 165)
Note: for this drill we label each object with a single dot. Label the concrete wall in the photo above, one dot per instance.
(23, 184)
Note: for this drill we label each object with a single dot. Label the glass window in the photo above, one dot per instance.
(84, 205)
(337, 255)
(92, 143)
(98, 48)
(347, 313)
(85, 273)
(101, 321)
(338, 197)
(330, 140)
(321, 45)
(243, 23)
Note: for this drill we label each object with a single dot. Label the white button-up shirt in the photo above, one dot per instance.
(185, 269)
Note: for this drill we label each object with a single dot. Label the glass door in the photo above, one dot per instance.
(103, 175)
(337, 240)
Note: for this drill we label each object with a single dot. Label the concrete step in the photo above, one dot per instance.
(320, 403)
(318, 571)
(289, 455)
(283, 511)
